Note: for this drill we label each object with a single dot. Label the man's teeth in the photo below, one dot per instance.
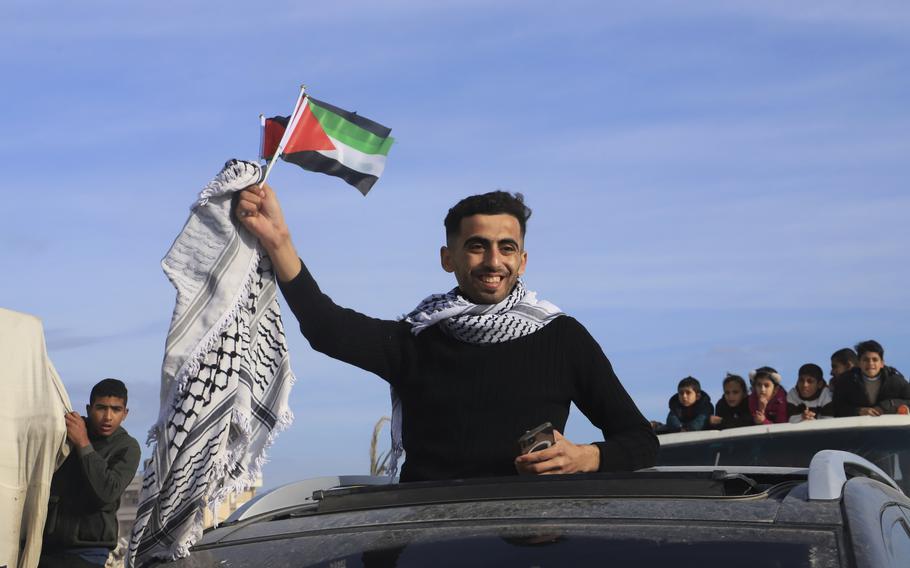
(491, 279)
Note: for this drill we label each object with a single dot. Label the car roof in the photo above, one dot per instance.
(855, 422)
(318, 521)
(682, 505)
(827, 473)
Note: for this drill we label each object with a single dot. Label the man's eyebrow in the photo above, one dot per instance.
(481, 240)
(474, 239)
(114, 406)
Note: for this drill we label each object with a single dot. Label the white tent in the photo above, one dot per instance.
(32, 436)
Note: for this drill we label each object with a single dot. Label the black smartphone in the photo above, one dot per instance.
(537, 439)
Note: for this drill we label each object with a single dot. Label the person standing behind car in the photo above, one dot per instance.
(842, 361)
(81, 526)
(768, 401)
(872, 388)
(690, 408)
(732, 409)
(810, 399)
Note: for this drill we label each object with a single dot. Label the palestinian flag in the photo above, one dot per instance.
(327, 139)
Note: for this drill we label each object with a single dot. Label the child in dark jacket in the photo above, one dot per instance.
(768, 402)
(810, 399)
(690, 408)
(732, 409)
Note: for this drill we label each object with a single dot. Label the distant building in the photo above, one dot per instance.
(129, 502)
(231, 504)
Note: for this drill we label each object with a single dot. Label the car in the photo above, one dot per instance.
(883, 440)
(840, 511)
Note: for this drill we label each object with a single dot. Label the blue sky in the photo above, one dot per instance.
(716, 185)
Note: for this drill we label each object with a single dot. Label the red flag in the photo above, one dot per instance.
(308, 136)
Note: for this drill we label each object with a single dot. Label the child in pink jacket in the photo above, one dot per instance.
(768, 401)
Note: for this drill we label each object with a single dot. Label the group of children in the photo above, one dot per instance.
(862, 383)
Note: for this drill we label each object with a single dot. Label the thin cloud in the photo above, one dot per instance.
(60, 339)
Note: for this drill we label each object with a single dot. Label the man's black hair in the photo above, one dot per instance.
(689, 383)
(845, 356)
(869, 345)
(812, 370)
(108, 387)
(492, 203)
(731, 378)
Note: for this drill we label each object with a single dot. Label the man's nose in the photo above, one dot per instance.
(493, 258)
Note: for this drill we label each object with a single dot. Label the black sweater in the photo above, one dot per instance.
(850, 393)
(733, 416)
(86, 490)
(464, 405)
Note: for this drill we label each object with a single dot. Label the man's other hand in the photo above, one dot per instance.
(76, 432)
(562, 457)
(870, 411)
(258, 210)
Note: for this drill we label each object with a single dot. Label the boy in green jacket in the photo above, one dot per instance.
(81, 526)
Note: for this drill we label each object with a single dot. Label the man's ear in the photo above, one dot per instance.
(88, 409)
(445, 259)
(126, 412)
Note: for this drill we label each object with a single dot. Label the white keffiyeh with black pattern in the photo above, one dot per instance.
(225, 379)
(518, 315)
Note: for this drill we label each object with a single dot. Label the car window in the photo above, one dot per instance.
(885, 447)
(644, 545)
(896, 534)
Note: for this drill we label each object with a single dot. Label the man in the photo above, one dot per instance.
(473, 369)
(81, 526)
(871, 388)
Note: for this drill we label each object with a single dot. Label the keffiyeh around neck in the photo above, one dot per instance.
(518, 315)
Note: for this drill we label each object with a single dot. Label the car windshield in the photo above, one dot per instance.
(649, 545)
(887, 448)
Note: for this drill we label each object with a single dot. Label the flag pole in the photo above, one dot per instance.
(287, 133)
(261, 136)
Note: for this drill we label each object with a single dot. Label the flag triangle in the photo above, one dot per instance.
(308, 136)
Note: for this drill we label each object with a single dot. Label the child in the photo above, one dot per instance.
(842, 361)
(871, 388)
(85, 492)
(733, 408)
(768, 402)
(689, 408)
(810, 398)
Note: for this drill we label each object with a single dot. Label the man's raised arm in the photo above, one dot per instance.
(258, 210)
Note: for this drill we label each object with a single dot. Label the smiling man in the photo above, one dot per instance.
(81, 526)
(472, 369)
